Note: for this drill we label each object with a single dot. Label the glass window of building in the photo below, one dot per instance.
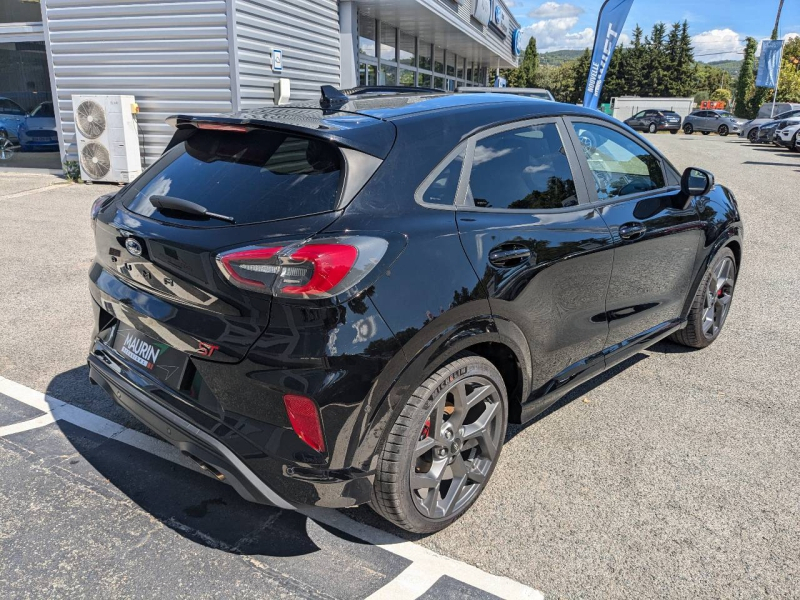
(469, 71)
(406, 77)
(407, 50)
(366, 36)
(425, 56)
(451, 64)
(367, 74)
(460, 66)
(20, 11)
(387, 75)
(438, 59)
(388, 42)
(438, 83)
(424, 80)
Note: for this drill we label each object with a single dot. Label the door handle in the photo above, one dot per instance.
(509, 256)
(631, 231)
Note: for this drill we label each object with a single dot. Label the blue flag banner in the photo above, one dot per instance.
(609, 26)
(769, 66)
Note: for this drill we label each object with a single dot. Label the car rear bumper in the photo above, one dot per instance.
(256, 475)
(198, 445)
(669, 127)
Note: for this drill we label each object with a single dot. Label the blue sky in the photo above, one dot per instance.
(718, 27)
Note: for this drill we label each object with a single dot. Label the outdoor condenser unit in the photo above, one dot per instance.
(106, 136)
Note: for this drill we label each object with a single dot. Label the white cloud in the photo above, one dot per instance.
(557, 34)
(718, 44)
(554, 10)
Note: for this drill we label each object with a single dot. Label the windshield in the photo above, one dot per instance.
(725, 114)
(251, 177)
(45, 109)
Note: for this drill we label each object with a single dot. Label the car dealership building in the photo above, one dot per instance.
(212, 56)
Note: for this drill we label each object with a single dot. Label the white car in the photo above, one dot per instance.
(787, 136)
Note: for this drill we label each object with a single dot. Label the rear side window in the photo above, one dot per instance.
(442, 190)
(251, 177)
(522, 169)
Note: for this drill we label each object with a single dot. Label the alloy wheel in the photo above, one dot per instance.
(723, 130)
(652, 128)
(6, 148)
(457, 447)
(719, 294)
(688, 129)
(752, 135)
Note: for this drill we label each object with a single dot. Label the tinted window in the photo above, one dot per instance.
(252, 177)
(638, 115)
(442, 190)
(619, 165)
(44, 110)
(10, 108)
(524, 168)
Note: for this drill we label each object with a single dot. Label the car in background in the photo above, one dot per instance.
(38, 130)
(712, 121)
(12, 115)
(540, 93)
(786, 136)
(750, 129)
(766, 133)
(653, 121)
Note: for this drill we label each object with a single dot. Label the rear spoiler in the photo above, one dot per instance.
(349, 130)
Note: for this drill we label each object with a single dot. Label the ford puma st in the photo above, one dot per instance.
(346, 302)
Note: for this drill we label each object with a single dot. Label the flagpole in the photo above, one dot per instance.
(777, 82)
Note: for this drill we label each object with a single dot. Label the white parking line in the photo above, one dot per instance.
(426, 568)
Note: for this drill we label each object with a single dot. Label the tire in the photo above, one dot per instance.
(688, 129)
(723, 130)
(717, 286)
(705, 132)
(793, 143)
(673, 131)
(414, 444)
(752, 135)
(652, 128)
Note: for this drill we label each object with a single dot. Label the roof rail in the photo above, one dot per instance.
(333, 98)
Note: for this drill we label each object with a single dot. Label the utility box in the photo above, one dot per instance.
(625, 107)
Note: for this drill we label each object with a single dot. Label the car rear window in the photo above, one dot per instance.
(252, 177)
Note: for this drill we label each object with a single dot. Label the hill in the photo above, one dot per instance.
(731, 66)
(559, 57)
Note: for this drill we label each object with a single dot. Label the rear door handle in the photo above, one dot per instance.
(509, 256)
(631, 231)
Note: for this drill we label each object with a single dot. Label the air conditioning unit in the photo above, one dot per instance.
(107, 138)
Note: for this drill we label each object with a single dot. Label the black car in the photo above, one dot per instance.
(346, 302)
(653, 121)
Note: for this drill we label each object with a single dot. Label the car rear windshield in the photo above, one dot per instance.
(251, 177)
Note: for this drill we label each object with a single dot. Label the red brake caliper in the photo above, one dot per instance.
(426, 429)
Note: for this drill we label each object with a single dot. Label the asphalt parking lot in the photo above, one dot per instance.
(674, 476)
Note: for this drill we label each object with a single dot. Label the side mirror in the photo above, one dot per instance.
(696, 182)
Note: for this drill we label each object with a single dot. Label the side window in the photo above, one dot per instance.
(639, 115)
(10, 108)
(619, 165)
(525, 168)
(442, 190)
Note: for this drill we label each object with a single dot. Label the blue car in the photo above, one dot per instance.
(38, 131)
(12, 115)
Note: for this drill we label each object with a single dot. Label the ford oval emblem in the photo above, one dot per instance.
(133, 246)
(498, 14)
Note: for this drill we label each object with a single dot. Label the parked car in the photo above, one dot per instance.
(786, 136)
(653, 121)
(12, 115)
(712, 121)
(766, 133)
(750, 128)
(540, 93)
(38, 130)
(768, 112)
(330, 306)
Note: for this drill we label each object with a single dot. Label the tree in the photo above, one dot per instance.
(635, 63)
(529, 67)
(656, 62)
(746, 82)
(721, 95)
(789, 83)
(580, 75)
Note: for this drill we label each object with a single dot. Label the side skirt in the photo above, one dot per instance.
(591, 366)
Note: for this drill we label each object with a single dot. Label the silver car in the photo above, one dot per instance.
(712, 121)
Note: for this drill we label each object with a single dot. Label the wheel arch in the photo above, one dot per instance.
(499, 341)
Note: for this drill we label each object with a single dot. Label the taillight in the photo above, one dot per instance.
(304, 417)
(99, 204)
(314, 269)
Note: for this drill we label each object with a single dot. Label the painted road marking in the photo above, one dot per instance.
(426, 568)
